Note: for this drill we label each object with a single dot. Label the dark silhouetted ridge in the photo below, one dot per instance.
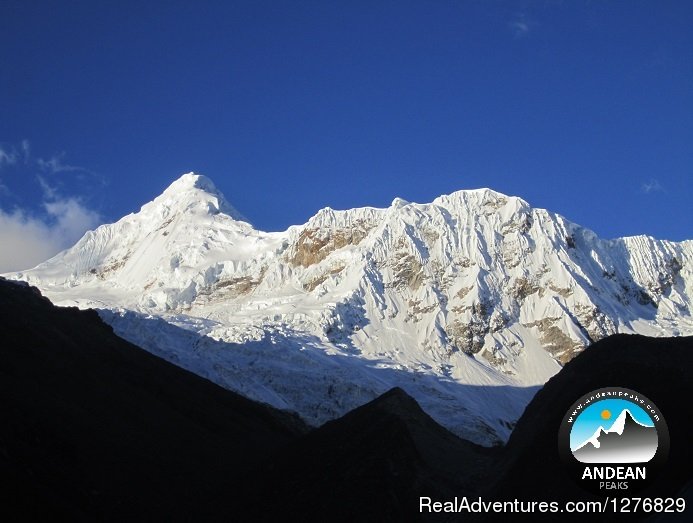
(370, 465)
(659, 368)
(95, 428)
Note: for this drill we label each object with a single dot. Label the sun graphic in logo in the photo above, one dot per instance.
(606, 414)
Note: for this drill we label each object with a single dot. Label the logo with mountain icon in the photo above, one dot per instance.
(624, 433)
(613, 441)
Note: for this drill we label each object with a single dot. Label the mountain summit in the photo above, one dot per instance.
(469, 303)
(193, 189)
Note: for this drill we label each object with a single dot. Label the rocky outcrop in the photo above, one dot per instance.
(314, 245)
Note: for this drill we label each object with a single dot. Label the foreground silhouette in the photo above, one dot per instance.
(95, 428)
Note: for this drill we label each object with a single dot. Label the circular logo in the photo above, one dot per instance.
(613, 441)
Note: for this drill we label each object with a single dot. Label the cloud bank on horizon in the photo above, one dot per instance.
(29, 236)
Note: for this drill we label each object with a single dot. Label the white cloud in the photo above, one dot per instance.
(28, 240)
(25, 241)
(7, 157)
(10, 155)
(652, 185)
(55, 165)
(72, 219)
(521, 25)
(49, 192)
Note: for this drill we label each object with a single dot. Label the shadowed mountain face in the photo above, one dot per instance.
(370, 465)
(95, 428)
(634, 444)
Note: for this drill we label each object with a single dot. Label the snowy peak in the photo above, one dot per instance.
(476, 197)
(160, 256)
(195, 193)
(190, 181)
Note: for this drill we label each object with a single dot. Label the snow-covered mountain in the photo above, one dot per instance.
(469, 303)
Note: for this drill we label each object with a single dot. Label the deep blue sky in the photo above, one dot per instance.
(584, 108)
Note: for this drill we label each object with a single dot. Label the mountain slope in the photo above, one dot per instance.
(94, 428)
(370, 465)
(469, 303)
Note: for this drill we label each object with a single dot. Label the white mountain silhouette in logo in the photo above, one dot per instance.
(626, 441)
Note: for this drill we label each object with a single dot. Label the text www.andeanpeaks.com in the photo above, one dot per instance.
(615, 505)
